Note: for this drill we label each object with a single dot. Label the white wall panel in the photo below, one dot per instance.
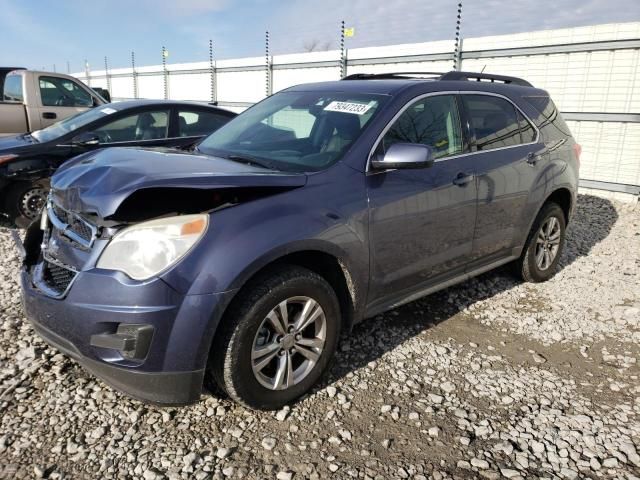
(599, 81)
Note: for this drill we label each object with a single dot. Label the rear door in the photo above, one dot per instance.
(506, 163)
(59, 98)
(421, 221)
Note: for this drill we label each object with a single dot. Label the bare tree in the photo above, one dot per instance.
(316, 45)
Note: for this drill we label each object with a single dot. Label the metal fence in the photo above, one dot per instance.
(593, 74)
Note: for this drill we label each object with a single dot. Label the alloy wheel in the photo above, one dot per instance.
(547, 243)
(289, 343)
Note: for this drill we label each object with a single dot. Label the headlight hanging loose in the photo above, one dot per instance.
(146, 249)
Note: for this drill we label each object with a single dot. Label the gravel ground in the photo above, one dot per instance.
(491, 378)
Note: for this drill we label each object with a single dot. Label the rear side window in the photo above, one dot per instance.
(61, 92)
(432, 121)
(494, 121)
(198, 123)
(549, 113)
(13, 89)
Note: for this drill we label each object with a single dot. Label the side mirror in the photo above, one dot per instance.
(404, 155)
(86, 139)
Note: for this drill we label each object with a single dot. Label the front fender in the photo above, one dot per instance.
(323, 216)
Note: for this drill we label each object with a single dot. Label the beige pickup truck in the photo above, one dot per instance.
(34, 100)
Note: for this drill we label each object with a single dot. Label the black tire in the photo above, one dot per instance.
(527, 266)
(23, 202)
(230, 361)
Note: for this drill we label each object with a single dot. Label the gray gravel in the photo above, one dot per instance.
(491, 378)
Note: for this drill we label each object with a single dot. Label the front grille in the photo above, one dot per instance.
(57, 278)
(72, 225)
(60, 213)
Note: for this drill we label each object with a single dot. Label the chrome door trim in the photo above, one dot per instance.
(449, 92)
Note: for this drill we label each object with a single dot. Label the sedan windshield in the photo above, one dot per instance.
(295, 131)
(70, 124)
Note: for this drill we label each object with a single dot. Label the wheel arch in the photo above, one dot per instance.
(329, 264)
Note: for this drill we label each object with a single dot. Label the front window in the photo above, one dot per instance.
(61, 92)
(138, 127)
(298, 131)
(70, 124)
(433, 121)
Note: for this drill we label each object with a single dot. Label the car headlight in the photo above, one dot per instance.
(146, 249)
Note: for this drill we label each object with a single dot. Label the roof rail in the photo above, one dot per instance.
(389, 75)
(453, 75)
(478, 77)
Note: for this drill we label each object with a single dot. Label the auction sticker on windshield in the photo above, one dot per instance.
(108, 110)
(348, 107)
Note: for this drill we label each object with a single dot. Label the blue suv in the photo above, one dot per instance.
(238, 265)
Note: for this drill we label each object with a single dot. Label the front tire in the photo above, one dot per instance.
(24, 202)
(277, 339)
(539, 260)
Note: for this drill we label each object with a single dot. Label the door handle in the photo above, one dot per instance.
(49, 115)
(462, 179)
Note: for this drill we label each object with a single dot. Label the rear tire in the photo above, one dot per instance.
(541, 254)
(277, 339)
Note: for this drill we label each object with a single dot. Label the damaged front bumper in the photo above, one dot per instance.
(143, 338)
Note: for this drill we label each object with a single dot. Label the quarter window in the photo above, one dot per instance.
(60, 92)
(432, 121)
(141, 126)
(494, 122)
(527, 131)
(196, 124)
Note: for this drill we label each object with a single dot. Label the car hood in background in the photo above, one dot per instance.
(7, 144)
(98, 182)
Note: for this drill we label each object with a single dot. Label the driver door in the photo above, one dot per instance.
(60, 98)
(421, 221)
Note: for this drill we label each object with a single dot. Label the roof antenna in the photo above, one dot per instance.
(485, 66)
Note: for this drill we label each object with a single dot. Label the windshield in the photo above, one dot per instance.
(295, 131)
(70, 124)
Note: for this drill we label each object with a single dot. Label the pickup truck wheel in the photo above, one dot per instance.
(277, 339)
(24, 202)
(539, 260)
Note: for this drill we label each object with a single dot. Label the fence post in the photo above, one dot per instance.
(87, 74)
(268, 67)
(106, 72)
(212, 72)
(165, 74)
(342, 52)
(457, 55)
(134, 75)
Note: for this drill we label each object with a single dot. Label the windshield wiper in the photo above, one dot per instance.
(249, 160)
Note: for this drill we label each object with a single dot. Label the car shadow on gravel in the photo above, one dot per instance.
(371, 339)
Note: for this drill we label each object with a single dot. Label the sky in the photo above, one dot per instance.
(39, 33)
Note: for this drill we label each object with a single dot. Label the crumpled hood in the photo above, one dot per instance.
(98, 182)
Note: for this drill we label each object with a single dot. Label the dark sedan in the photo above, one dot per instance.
(27, 161)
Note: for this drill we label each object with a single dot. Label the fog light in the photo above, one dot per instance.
(131, 340)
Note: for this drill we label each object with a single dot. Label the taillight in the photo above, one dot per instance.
(577, 149)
